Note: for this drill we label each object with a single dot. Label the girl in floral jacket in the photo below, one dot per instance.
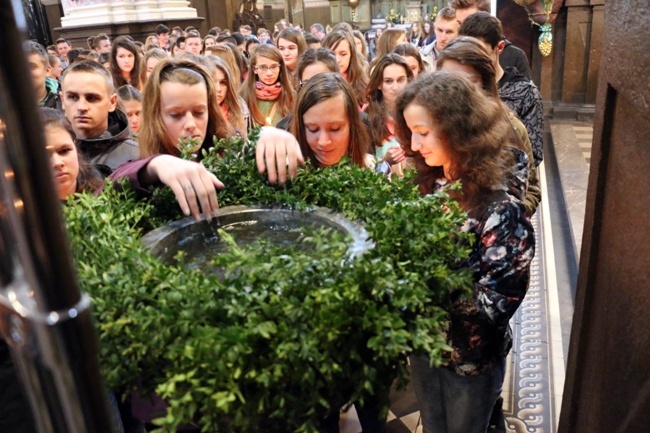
(455, 132)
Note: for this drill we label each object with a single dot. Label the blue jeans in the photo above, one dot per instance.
(451, 403)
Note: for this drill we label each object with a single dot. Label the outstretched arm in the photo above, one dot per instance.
(276, 149)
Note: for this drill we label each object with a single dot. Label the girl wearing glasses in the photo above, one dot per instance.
(389, 78)
(268, 91)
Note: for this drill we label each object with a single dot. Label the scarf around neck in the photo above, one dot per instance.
(267, 92)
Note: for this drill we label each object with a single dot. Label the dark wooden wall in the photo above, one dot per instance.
(608, 375)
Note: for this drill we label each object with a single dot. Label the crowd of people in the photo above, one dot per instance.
(451, 99)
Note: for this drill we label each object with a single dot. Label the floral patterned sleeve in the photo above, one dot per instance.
(505, 249)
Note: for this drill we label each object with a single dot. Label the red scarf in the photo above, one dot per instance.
(224, 110)
(267, 92)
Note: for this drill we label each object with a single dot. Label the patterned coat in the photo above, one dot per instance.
(478, 330)
(522, 96)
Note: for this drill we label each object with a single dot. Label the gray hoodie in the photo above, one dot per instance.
(112, 147)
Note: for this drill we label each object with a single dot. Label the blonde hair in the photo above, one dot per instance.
(226, 54)
(232, 100)
(153, 135)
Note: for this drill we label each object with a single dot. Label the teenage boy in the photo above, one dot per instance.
(446, 28)
(162, 31)
(193, 43)
(511, 55)
(518, 92)
(47, 89)
(102, 43)
(62, 48)
(89, 101)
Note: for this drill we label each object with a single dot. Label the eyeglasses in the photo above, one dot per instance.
(265, 68)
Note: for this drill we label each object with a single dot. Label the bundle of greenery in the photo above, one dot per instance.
(287, 334)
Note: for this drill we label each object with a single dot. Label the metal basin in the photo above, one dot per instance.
(247, 224)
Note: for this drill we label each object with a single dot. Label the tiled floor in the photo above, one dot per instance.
(534, 382)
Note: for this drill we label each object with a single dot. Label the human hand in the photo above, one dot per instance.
(275, 150)
(193, 185)
(394, 155)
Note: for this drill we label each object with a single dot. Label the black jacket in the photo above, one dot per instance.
(515, 57)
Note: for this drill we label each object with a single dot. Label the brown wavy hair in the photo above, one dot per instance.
(153, 136)
(356, 74)
(247, 90)
(378, 111)
(477, 133)
(318, 89)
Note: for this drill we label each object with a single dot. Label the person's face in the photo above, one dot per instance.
(179, 49)
(56, 70)
(413, 65)
(193, 45)
(125, 60)
(426, 137)
(427, 28)
(327, 130)
(63, 49)
(267, 70)
(87, 102)
(378, 33)
(314, 31)
(163, 38)
(467, 71)
(358, 45)
(184, 111)
(343, 55)
(151, 65)
(313, 69)
(461, 14)
(289, 52)
(104, 46)
(220, 85)
(446, 30)
(263, 37)
(63, 160)
(209, 43)
(38, 70)
(133, 110)
(415, 28)
(394, 80)
(244, 31)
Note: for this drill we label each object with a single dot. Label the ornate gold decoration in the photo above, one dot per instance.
(545, 41)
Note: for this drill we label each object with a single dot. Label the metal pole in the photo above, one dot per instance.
(43, 316)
